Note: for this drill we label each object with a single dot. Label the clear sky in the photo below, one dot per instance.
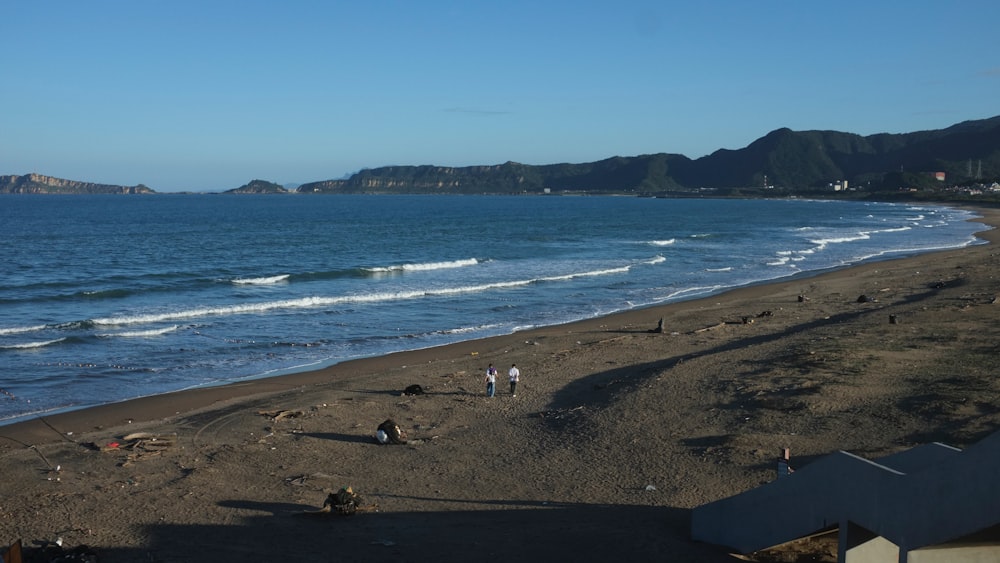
(208, 95)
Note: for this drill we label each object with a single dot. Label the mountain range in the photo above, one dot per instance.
(787, 161)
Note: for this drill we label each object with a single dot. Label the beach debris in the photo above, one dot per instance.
(298, 480)
(413, 390)
(45, 551)
(866, 299)
(803, 299)
(141, 445)
(280, 414)
(659, 327)
(390, 433)
(650, 487)
(892, 319)
(344, 502)
(746, 320)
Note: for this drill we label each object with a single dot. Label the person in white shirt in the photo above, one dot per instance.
(491, 380)
(514, 374)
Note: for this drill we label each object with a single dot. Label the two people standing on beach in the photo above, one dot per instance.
(514, 375)
(491, 381)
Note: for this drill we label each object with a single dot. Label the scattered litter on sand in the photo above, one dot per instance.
(141, 445)
(278, 415)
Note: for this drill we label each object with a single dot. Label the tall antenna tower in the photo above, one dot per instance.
(979, 171)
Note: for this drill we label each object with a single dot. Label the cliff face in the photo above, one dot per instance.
(39, 184)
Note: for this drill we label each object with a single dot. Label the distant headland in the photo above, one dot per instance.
(40, 184)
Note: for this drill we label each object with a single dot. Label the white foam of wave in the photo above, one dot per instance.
(666, 242)
(144, 333)
(729, 269)
(270, 280)
(317, 301)
(426, 266)
(28, 345)
(781, 261)
(21, 329)
(785, 256)
(692, 291)
(470, 329)
(824, 242)
(914, 250)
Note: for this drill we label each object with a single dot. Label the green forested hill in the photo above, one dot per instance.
(795, 161)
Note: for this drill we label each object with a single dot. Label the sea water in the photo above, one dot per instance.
(107, 298)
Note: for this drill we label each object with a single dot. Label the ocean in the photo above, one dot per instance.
(107, 298)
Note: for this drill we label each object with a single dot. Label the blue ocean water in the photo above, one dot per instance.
(106, 298)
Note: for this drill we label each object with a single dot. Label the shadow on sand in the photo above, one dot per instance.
(510, 530)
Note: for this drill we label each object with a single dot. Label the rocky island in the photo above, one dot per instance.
(39, 184)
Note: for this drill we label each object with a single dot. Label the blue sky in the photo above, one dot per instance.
(208, 95)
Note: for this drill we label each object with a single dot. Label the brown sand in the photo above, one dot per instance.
(616, 433)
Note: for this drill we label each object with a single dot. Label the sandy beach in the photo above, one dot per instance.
(616, 432)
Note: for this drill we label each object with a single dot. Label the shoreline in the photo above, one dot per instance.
(39, 428)
(127, 361)
(617, 432)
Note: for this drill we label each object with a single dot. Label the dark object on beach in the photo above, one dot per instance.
(764, 314)
(45, 551)
(413, 390)
(390, 433)
(659, 327)
(865, 299)
(343, 502)
(803, 299)
(892, 319)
